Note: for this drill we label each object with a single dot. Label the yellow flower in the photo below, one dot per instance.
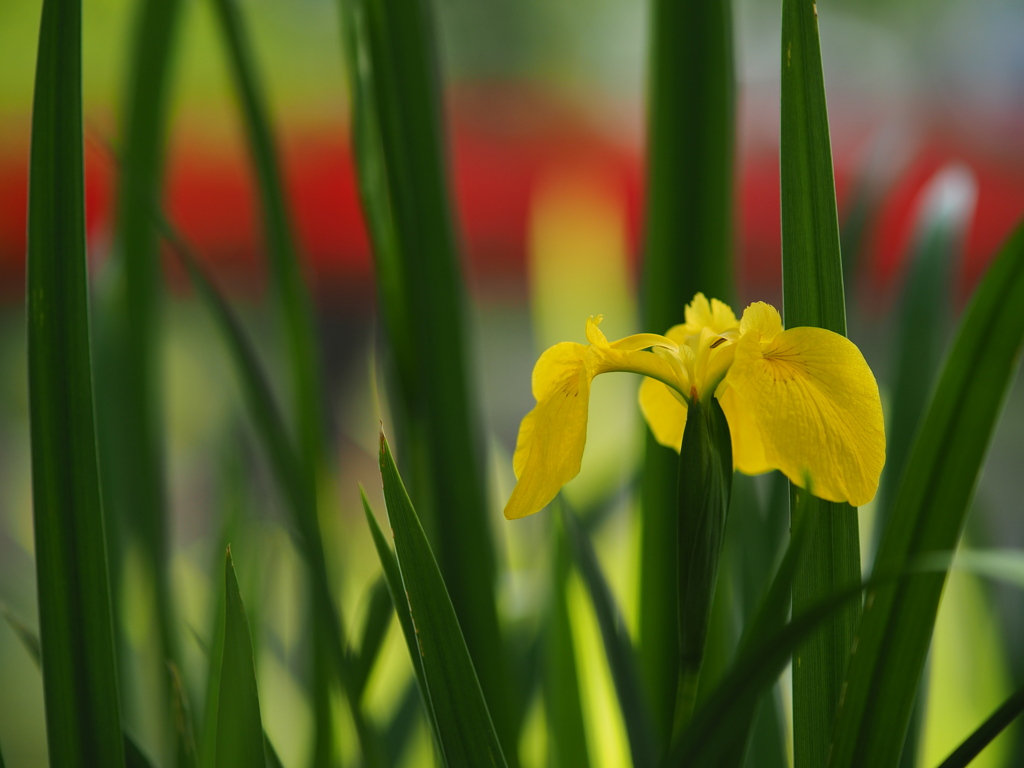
(802, 401)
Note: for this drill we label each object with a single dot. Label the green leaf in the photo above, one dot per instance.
(812, 282)
(464, 729)
(79, 669)
(239, 727)
(187, 753)
(622, 658)
(399, 147)
(393, 578)
(712, 733)
(292, 479)
(928, 515)
(1009, 711)
(705, 487)
(561, 687)
(688, 248)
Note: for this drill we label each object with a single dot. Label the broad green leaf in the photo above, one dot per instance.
(399, 147)
(688, 248)
(239, 726)
(812, 286)
(464, 729)
(622, 658)
(1009, 711)
(83, 720)
(561, 687)
(928, 515)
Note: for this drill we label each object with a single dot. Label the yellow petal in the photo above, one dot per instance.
(714, 314)
(747, 445)
(763, 318)
(552, 436)
(816, 404)
(665, 413)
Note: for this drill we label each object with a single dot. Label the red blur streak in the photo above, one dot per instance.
(495, 171)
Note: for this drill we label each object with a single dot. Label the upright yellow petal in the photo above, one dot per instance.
(816, 404)
(714, 314)
(552, 436)
(665, 413)
(763, 318)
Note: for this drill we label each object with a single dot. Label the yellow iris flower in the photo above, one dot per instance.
(802, 401)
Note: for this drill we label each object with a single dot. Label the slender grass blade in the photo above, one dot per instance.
(688, 248)
(928, 515)
(622, 658)
(1009, 711)
(812, 283)
(239, 726)
(76, 633)
(463, 724)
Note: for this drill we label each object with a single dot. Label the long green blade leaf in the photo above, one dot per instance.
(239, 726)
(464, 729)
(688, 248)
(79, 671)
(928, 516)
(622, 659)
(812, 283)
(399, 146)
(393, 577)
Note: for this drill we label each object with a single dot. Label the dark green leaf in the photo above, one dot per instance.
(463, 724)
(79, 678)
(704, 490)
(812, 282)
(997, 722)
(688, 248)
(399, 147)
(187, 754)
(239, 726)
(622, 659)
(928, 515)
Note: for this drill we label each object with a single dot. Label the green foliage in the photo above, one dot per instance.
(79, 671)
(928, 515)
(239, 727)
(463, 728)
(812, 284)
(688, 248)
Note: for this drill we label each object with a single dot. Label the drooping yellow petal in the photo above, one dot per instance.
(552, 436)
(747, 444)
(664, 412)
(816, 404)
